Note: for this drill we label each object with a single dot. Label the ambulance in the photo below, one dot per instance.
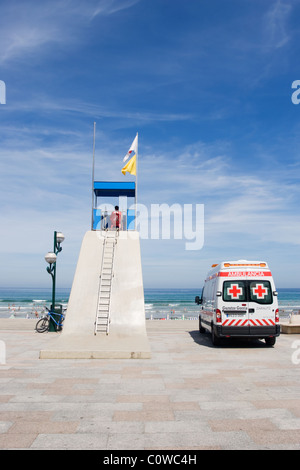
(239, 300)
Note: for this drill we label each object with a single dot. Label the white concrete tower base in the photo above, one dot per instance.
(127, 336)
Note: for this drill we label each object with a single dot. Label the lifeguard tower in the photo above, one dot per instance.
(105, 192)
(106, 313)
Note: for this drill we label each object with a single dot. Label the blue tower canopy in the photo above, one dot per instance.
(114, 189)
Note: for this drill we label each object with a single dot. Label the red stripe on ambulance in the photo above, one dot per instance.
(244, 274)
(251, 322)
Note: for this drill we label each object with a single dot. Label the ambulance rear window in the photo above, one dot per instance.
(260, 292)
(234, 291)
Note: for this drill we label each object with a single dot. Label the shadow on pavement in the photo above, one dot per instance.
(204, 339)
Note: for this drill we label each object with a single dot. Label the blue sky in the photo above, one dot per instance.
(207, 85)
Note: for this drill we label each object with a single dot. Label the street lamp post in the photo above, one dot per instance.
(51, 257)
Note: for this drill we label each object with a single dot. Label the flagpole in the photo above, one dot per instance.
(136, 178)
(93, 177)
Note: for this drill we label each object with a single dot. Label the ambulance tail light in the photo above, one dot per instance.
(218, 316)
(277, 315)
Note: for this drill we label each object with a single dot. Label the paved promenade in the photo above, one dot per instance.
(188, 396)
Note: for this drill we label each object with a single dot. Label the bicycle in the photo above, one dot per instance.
(44, 323)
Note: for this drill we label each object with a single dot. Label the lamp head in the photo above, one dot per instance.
(60, 237)
(50, 257)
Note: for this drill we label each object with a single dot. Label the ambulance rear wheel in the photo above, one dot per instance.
(215, 339)
(270, 341)
(201, 329)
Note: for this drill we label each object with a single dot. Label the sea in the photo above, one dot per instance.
(160, 304)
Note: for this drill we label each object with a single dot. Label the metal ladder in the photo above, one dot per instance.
(105, 283)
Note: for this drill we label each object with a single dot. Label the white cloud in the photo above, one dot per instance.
(41, 103)
(276, 31)
(27, 27)
(47, 187)
(237, 204)
(109, 7)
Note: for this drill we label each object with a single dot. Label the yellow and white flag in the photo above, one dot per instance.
(133, 149)
(130, 167)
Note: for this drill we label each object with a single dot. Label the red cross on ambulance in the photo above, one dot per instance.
(260, 291)
(234, 291)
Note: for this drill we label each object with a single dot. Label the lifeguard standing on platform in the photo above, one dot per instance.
(116, 218)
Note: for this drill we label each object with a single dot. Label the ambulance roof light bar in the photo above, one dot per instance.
(243, 263)
(261, 265)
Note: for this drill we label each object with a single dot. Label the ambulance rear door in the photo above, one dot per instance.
(262, 304)
(235, 312)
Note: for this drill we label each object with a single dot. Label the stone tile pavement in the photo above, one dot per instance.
(189, 395)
